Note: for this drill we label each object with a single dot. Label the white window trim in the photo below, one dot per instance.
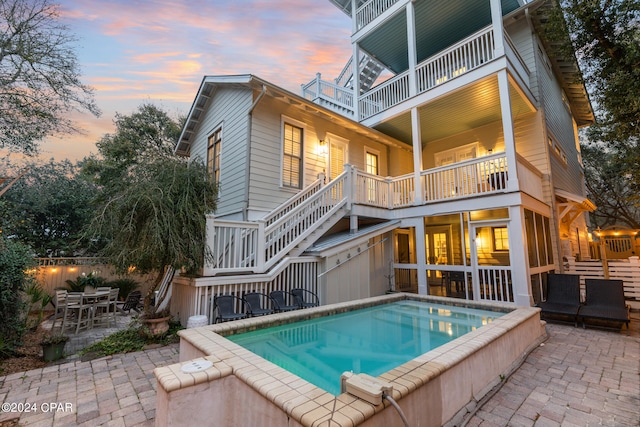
(371, 151)
(332, 138)
(289, 120)
(213, 130)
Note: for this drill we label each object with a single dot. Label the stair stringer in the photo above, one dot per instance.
(318, 232)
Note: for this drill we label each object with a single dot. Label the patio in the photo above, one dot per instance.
(578, 377)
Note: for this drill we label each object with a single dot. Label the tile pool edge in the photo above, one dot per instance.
(457, 372)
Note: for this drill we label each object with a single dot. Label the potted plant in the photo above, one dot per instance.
(155, 322)
(53, 346)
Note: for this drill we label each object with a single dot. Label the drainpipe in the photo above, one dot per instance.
(245, 209)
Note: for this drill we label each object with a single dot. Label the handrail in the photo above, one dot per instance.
(293, 201)
(285, 233)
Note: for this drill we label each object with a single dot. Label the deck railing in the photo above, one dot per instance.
(243, 246)
(370, 10)
(192, 297)
(455, 61)
(259, 245)
(318, 90)
(464, 56)
(473, 177)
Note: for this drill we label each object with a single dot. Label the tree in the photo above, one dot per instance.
(146, 134)
(152, 211)
(612, 187)
(49, 208)
(605, 34)
(39, 75)
(15, 261)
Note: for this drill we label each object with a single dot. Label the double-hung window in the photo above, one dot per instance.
(213, 155)
(292, 156)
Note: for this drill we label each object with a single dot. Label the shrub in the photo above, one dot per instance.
(15, 262)
(83, 281)
(125, 285)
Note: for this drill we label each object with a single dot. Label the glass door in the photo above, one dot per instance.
(492, 266)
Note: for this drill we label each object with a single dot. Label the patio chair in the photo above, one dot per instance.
(132, 302)
(280, 300)
(299, 294)
(563, 297)
(77, 313)
(254, 302)
(226, 308)
(106, 308)
(604, 301)
(61, 302)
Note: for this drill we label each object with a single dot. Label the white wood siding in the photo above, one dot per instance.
(228, 108)
(265, 191)
(560, 123)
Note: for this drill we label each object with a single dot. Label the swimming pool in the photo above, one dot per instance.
(237, 387)
(371, 340)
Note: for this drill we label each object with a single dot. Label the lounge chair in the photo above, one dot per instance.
(254, 302)
(132, 302)
(605, 301)
(563, 296)
(226, 308)
(280, 300)
(299, 294)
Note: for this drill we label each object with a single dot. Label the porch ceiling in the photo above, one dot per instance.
(468, 108)
(434, 29)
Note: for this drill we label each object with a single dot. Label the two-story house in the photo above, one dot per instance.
(443, 160)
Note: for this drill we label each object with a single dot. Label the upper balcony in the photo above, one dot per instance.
(455, 61)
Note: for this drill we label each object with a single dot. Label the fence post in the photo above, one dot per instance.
(261, 247)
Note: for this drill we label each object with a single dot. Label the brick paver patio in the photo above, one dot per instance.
(577, 378)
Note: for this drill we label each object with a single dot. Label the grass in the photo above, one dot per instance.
(131, 339)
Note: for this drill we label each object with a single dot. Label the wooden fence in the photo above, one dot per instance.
(627, 270)
(52, 273)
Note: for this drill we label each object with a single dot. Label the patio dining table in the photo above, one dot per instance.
(91, 298)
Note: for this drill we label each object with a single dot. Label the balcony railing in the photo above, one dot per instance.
(259, 245)
(457, 60)
(370, 10)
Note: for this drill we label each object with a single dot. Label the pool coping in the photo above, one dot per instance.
(306, 403)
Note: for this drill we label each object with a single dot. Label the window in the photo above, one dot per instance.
(557, 150)
(371, 167)
(292, 156)
(371, 163)
(500, 239)
(213, 155)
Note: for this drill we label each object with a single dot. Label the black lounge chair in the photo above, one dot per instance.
(133, 302)
(563, 296)
(605, 301)
(299, 294)
(280, 298)
(226, 306)
(254, 303)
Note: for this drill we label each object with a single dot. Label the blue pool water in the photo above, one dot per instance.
(371, 340)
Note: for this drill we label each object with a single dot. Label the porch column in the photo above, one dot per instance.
(421, 257)
(520, 272)
(498, 27)
(355, 66)
(411, 39)
(507, 129)
(421, 253)
(418, 197)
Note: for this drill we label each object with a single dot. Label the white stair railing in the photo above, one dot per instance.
(240, 246)
(291, 228)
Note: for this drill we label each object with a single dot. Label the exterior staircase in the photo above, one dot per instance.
(242, 247)
(369, 69)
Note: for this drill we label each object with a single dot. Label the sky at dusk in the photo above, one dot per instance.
(137, 51)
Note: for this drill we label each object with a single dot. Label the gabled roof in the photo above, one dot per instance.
(210, 84)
